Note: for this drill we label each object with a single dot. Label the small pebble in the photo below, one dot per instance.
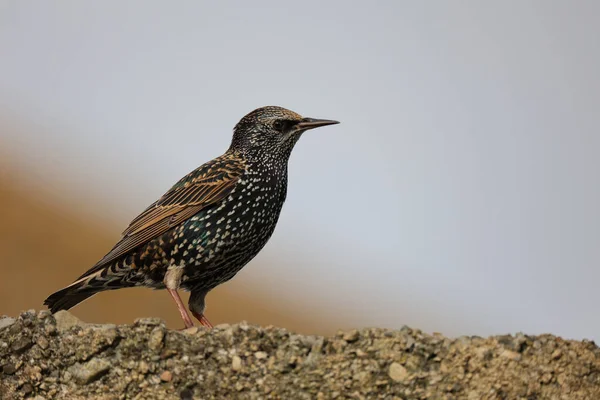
(260, 355)
(511, 355)
(351, 336)
(144, 367)
(148, 321)
(191, 331)
(90, 371)
(65, 321)
(556, 354)
(21, 344)
(155, 341)
(166, 376)
(6, 322)
(42, 342)
(9, 369)
(397, 372)
(236, 363)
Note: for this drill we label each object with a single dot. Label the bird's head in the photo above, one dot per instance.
(272, 131)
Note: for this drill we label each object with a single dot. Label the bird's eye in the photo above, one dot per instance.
(278, 125)
(281, 125)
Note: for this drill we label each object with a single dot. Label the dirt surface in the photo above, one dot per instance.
(44, 356)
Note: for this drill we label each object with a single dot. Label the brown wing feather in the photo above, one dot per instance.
(201, 191)
(206, 185)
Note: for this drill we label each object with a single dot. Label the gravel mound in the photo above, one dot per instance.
(46, 357)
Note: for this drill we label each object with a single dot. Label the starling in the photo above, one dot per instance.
(209, 225)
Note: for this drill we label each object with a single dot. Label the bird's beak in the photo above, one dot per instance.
(311, 123)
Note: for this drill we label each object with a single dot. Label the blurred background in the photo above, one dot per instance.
(460, 193)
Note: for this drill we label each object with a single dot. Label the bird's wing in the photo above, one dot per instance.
(203, 187)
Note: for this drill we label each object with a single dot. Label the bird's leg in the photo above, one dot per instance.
(203, 320)
(172, 281)
(197, 305)
(187, 320)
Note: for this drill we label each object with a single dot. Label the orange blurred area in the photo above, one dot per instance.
(45, 245)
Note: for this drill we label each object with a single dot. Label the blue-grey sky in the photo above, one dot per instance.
(459, 194)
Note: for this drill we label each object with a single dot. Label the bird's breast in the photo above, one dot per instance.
(220, 240)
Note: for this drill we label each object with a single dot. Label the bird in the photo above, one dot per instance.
(209, 225)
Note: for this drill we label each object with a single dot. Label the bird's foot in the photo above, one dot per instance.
(203, 320)
(187, 320)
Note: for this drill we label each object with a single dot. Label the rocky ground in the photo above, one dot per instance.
(46, 357)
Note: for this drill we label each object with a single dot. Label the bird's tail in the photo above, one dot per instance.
(68, 297)
(94, 281)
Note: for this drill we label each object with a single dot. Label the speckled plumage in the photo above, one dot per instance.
(209, 224)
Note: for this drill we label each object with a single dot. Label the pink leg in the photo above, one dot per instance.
(187, 320)
(203, 320)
